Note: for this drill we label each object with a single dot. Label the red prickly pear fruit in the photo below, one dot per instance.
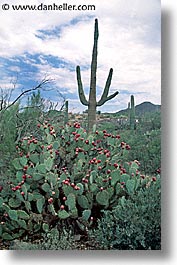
(77, 188)
(84, 180)
(50, 200)
(25, 168)
(158, 170)
(62, 207)
(5, 215)
(122, 144)
(127, 147)
(104, 180)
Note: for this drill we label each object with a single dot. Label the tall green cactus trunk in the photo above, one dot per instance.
(66, 112)
(92, 103)
(92, 95)
(132, 113)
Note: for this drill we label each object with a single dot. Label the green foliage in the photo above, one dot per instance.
(8, 134)
(51, 240)
(67, 175)
(146, 148)
(135, 223)
(50, 181)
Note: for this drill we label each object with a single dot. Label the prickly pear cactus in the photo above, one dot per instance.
(66, 174)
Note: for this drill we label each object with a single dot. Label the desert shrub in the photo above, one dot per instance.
(51, 240)
(8, 134)
(146, 148)
(135, 223)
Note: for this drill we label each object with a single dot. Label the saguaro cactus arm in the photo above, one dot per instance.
(101, 102)
(105, 96)
(80, 87)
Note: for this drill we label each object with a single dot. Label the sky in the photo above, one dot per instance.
(50, 44)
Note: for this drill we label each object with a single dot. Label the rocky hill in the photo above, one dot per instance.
(142, 108)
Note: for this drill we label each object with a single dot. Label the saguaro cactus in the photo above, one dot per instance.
(92, 103)
(132, 113)
(66, 111)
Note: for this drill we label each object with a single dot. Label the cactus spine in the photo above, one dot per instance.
(92, 103)
(132, 113)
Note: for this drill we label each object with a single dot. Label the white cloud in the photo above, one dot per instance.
(129, 41)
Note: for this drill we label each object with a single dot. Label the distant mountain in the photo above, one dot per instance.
(142, 108)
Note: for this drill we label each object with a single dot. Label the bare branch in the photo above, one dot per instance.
(42, 83)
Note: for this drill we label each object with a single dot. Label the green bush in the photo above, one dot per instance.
(146, 148)
(8, 134)
(135, 223)
(51, 240)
